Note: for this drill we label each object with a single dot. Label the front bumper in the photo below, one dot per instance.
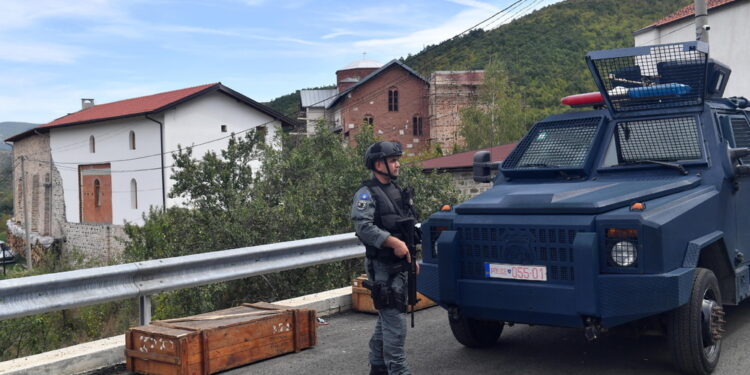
(614, 299)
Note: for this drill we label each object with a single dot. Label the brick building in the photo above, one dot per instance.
(393, 98)
(450, 91)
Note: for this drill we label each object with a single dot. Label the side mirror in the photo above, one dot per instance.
(482, 167)
(735, 154)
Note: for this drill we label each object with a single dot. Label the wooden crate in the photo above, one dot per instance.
(212, 342)
(361, 300)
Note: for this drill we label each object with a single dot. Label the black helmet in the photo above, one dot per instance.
(381, 150)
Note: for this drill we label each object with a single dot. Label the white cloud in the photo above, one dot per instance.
(417, 40)
(22, 13)
(35, 52)
(476, 4)
(476, 11)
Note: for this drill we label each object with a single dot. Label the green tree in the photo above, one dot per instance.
(303, 189)
(497, 116)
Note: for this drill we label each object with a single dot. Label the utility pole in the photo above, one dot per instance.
(701, 21)
(25, 213)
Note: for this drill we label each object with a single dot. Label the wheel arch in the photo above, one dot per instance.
(710, 252)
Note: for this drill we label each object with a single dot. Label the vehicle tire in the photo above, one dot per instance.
(694, 330)
(475, 333)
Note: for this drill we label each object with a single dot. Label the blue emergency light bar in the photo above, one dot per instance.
(666, 89)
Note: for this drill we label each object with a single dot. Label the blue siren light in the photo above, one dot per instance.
(667, 89)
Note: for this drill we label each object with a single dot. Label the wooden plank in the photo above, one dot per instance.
(153, 357)
(128, 360)
(154, 368)
(251, 352)
(184, 344)
(205, 353)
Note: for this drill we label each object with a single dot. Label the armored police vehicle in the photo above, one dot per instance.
(637, 210)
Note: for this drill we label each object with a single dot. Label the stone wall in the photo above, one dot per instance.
(451, 91)
(464, 181)
(101, 243)
(46, 208)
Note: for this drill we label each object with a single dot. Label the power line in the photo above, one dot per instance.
(374, 93)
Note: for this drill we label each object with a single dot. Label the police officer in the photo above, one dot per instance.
(378, 206)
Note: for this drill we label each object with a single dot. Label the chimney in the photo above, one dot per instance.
(87, 103)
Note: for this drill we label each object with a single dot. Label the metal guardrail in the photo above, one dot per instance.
(59, 291)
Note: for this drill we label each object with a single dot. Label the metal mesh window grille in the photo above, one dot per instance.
(561, 144)
(540, 246)
(669, 76)
(672, 139)
(741, 132)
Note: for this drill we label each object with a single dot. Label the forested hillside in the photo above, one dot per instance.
(544, 51)
(289, 104)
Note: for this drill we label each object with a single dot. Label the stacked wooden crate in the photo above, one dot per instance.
(212, 342)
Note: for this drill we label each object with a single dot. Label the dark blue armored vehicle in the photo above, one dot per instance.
(635, 210)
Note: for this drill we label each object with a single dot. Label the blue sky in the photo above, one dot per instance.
(53, 53)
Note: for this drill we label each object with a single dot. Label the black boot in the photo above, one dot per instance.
(378, 370)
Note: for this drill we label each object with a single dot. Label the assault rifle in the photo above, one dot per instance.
(408, 231)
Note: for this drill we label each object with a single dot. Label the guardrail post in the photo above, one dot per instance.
(144, 302)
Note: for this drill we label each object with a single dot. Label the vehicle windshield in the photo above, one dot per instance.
(652, 141)
(555, 144)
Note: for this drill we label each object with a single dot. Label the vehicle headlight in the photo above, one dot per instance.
(622, 245)
(624, 253)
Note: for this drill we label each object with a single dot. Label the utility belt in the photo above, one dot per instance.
(382, 292)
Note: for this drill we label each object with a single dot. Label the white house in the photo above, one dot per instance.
(314, 102)
(81, 176)
(730, 28)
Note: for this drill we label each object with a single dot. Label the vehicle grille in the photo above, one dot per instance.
(540, 246)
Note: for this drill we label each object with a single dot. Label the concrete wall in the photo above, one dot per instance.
(200, 120)
(371, 98)
(313, 115)
(727, 37)
(70, 148)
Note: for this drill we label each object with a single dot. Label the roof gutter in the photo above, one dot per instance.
(161, 143)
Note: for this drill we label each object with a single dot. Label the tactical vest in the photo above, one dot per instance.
(389, 210)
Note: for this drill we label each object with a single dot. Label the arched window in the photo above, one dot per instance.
(133, 194)
(393, 99)
(98, 193)
(92, 144)
(132, 140)
(416, 126)
(368, 120)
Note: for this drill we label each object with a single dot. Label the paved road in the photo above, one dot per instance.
(431, 349)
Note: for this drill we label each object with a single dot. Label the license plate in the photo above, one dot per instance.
(515, 272)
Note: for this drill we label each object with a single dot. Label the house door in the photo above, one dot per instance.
(96, 193)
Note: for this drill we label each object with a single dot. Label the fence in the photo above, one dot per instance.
(59, 291)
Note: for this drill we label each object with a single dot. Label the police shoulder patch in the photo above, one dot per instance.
(361, 204)
(364, 196)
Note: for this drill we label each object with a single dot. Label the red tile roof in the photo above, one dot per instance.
(466, 159)
(150, 104)
(689, 11)
(127, 107)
